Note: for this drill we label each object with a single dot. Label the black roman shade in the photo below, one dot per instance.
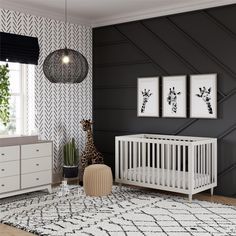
(18, 48)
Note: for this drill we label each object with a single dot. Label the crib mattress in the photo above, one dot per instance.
(158, 176)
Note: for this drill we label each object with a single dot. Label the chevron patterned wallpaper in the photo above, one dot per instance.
(59, 107)
(190, 43)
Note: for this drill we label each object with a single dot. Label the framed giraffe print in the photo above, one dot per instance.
(174, 96)
(148, 97)
(203, 96)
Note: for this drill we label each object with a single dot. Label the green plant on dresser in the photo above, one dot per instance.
(71, 158)
(4, 95)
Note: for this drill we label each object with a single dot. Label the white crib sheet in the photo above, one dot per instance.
(173, 180)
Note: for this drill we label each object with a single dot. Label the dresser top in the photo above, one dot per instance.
(20, 140)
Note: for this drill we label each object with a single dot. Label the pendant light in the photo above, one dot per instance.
(65, 65)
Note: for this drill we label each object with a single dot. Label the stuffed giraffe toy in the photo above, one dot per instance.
(90, 155)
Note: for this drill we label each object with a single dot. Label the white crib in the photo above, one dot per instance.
(174, 163)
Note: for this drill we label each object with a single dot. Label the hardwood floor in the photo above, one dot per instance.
(6, 230)
(10, 231)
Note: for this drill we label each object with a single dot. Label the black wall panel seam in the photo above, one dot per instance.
(227, 170)
(220, 24)
(179, 57)
(186, 63)
(138, 48)
(206, 52)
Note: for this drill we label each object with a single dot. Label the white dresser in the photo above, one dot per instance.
(25, 168)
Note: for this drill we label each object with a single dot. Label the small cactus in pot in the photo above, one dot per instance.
(70, 154)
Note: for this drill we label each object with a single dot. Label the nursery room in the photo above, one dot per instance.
(117, 118)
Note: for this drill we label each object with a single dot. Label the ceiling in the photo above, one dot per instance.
(106, 12)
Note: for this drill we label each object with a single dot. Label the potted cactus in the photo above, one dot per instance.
(70, 153)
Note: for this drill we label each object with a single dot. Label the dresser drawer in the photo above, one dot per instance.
(36, 150)
(9, 168)
(9, 184)
(36, 179)
(36, 164)
(9, 153)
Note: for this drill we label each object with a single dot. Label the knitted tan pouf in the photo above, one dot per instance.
(97, 180)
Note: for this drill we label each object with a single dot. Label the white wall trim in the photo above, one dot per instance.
(119, 18)
(178, 8)
(7, 5)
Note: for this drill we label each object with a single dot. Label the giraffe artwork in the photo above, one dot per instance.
(203, 96)
(174, 96)
(146, 94)
(206, 97)
(172, 99)
(148, 97)
(90, 155)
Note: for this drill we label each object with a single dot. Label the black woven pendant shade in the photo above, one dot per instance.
(65, 66)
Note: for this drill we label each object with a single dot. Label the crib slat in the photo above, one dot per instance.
(162, 164)
(168, 165)
(126, 160)
(139, 162)
(195, 165)
(173, 165)
(212, 164)
(215, 161)
(158, 163)
(153, 162)
(204, 163)
(184, 167)
(190, 169)
(130, 158)
(179, 169)
(208, 163)
(121, 159)
(117, 158)
(135, 161)
(148, 162)
(198, 165)
(202, 166)
(143, 162)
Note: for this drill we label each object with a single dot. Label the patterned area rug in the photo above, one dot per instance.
(126, 211)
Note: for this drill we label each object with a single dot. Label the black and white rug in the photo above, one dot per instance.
(127, 211)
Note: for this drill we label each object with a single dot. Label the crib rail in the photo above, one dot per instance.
(172, 163)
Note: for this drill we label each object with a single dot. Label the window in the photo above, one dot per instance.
(21, 100)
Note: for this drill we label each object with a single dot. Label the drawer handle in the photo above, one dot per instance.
(37, 150)
(3, 185)
(2, 154)
(2, 169)
(37, 178)
(37, 164)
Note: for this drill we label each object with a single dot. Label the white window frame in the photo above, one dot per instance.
(23, 119)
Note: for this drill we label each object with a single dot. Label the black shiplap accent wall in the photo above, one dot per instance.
(189, 43)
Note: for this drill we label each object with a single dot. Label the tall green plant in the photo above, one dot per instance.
(70, 154)
(4, 95)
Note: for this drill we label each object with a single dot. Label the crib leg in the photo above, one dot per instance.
(120, 185)
(190, 198)
(212, 191)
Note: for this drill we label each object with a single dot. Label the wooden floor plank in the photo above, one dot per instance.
(6, 230)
